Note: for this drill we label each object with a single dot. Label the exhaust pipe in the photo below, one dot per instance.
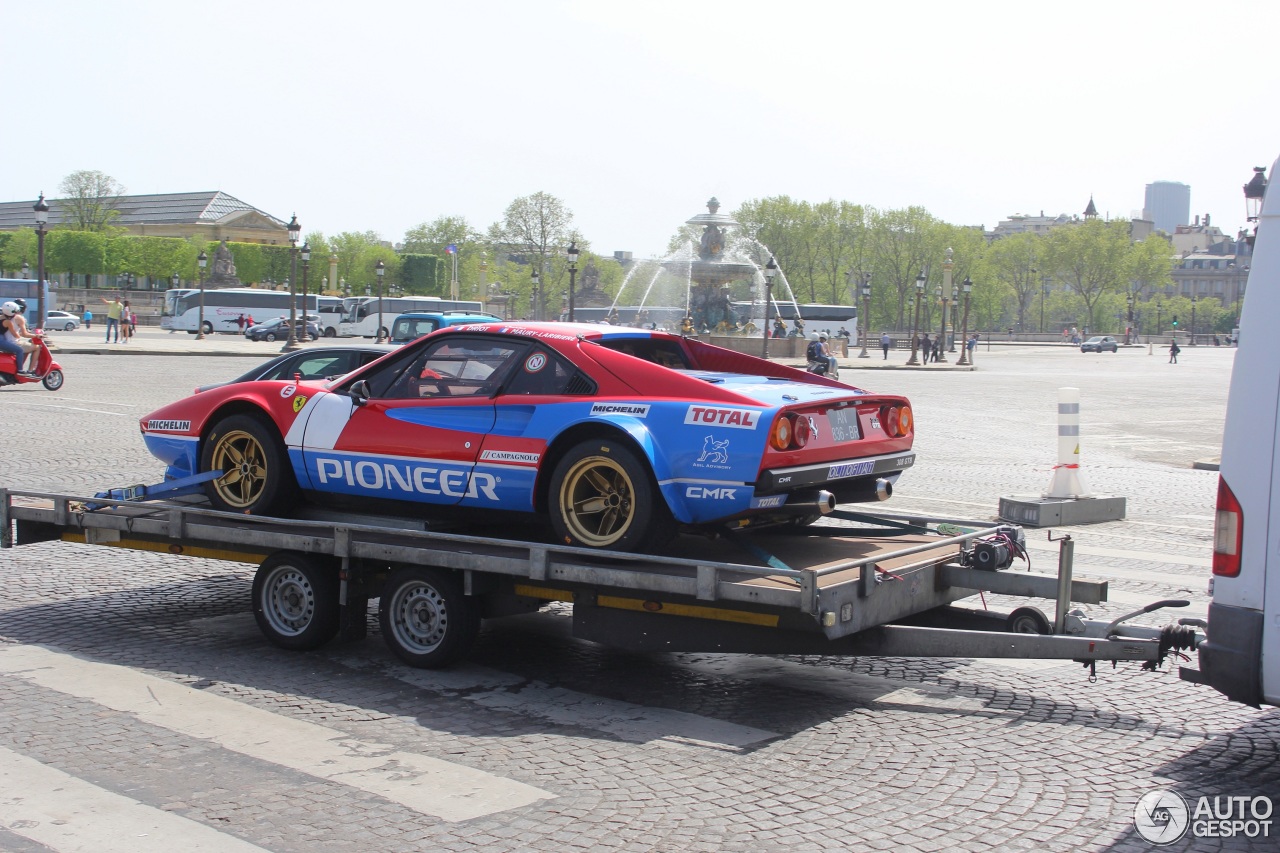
(822, 501)
(881, 490)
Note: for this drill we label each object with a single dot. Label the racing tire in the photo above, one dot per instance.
(295, 601)
(426, 620)
(257, 479)
(53, 380)
(602, 496)
(270, 336)
(1028, 620)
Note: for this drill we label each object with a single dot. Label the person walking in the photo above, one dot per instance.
(885, 343)
(1174, 349)
(114, 307)
(926, 348)
(126, 322)
(87, 319)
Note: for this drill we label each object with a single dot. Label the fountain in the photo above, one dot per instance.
(709, 274)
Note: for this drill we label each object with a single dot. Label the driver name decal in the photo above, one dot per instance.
(732, 418)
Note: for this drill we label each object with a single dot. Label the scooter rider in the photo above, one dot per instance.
(825, 353)
(10, 339)
(26, 339)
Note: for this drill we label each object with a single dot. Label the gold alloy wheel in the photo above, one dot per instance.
(242, 459)
(597, 501)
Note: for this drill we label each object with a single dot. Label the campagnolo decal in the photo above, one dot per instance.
(509, 456)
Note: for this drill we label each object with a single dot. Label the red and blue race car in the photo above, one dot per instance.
(619, 436)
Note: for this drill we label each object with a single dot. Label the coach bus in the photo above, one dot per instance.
(225, 308)
(28, 290)
(363, 312)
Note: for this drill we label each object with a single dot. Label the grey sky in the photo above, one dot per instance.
(381, 115)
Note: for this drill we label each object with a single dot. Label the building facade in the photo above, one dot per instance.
(1168, 205)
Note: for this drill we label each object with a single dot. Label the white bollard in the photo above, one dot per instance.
(1067, 481)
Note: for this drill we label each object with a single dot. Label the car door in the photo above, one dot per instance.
(412, 428)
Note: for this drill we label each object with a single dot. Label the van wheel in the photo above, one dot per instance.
(425, 618)
(603, 497)
(295, 601)
(256, 479)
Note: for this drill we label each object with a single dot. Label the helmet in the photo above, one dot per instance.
(21, 303)
(9, 309)
(813, 335)
(822, 337)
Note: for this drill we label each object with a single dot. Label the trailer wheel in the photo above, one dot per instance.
(295, 600)
(425, 618)
(256, 478)
(1028, 620)
(603, 497)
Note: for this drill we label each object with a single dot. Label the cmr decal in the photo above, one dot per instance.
(635, 410)
(732, 418)
(718, 493)
(169, 426)
(401, 478)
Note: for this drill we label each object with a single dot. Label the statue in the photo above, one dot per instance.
(224, 268)
(712, 242)
(590, 277)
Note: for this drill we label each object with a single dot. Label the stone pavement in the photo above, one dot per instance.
(555, 744)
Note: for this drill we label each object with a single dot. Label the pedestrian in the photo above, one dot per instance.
(114, 307)
(87, 318)
(937, 349)
(972, 344)
(1174, 349)
(885, 343)
(1066, 335)
(926, 347)
(240, 323)
(126, 322)
(248, 324)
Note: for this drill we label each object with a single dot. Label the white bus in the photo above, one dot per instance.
(224, 307)
(362, 312)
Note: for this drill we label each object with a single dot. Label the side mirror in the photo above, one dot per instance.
(359, 392)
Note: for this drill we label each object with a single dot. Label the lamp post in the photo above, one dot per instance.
(1128, 329)
(537, 294)
(202, 260)
(915, 319)
(380, 270)
(1044, 297)
(1254, 192)
(42, 217)
(26, 269)
(1193, 319)
(573, 271)
(866, 307)
(306, 265)
(770, 270)
(947, 266)
(294, 230)
(966, 286)
(1159, 308)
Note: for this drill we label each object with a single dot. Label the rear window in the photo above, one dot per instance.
(664, 352)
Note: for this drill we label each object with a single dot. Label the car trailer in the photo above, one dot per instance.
(885, 588)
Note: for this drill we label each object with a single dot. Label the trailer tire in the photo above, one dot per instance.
(256, 479)
(295, 601)
(1028, 620)
(602, 496)
(426, 620)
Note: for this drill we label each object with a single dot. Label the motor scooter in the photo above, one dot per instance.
(47, 371)
(819, 367)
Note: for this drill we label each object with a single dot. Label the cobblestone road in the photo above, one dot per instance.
(123, 672)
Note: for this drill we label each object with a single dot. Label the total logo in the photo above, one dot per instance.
(717, 493)
(732, 418)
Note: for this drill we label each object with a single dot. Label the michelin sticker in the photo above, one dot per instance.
(168, 426)
(633, 409)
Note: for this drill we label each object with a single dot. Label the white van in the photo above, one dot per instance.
(1241, 657)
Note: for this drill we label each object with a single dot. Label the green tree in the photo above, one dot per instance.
(89, 200)
(902, 249)
(539, 226)
(1092, 259)
(1011, 261)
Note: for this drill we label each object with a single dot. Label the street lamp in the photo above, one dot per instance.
(966, 286)
(1044, 297)
(306, 265)
(573, 271)
(866, 308)
(42, 217)
(1128, 329)
(537, 293)
(770, 270)
(294, 230)
(202, 260)
(947, 266)
(380, 270)
(1159, 308)
(1193, 319)
(915, 319)
(1254, 192)
(26, 268)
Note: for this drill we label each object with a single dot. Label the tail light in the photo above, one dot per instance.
(897, 420)
(790, 432)
(1228, 529)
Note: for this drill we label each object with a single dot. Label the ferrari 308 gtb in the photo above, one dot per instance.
(619, 436)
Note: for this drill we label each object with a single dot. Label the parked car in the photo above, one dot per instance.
(278, 329)
(618, 436)
(321, 363)
(1100, 344)
(64, 320)
(411, 326)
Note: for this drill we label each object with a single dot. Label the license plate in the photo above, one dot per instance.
(844, 424)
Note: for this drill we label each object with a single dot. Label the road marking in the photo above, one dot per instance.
(624, 720)
(445, 790)
(67, 814)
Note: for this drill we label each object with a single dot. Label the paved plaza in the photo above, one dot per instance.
(142, 710)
